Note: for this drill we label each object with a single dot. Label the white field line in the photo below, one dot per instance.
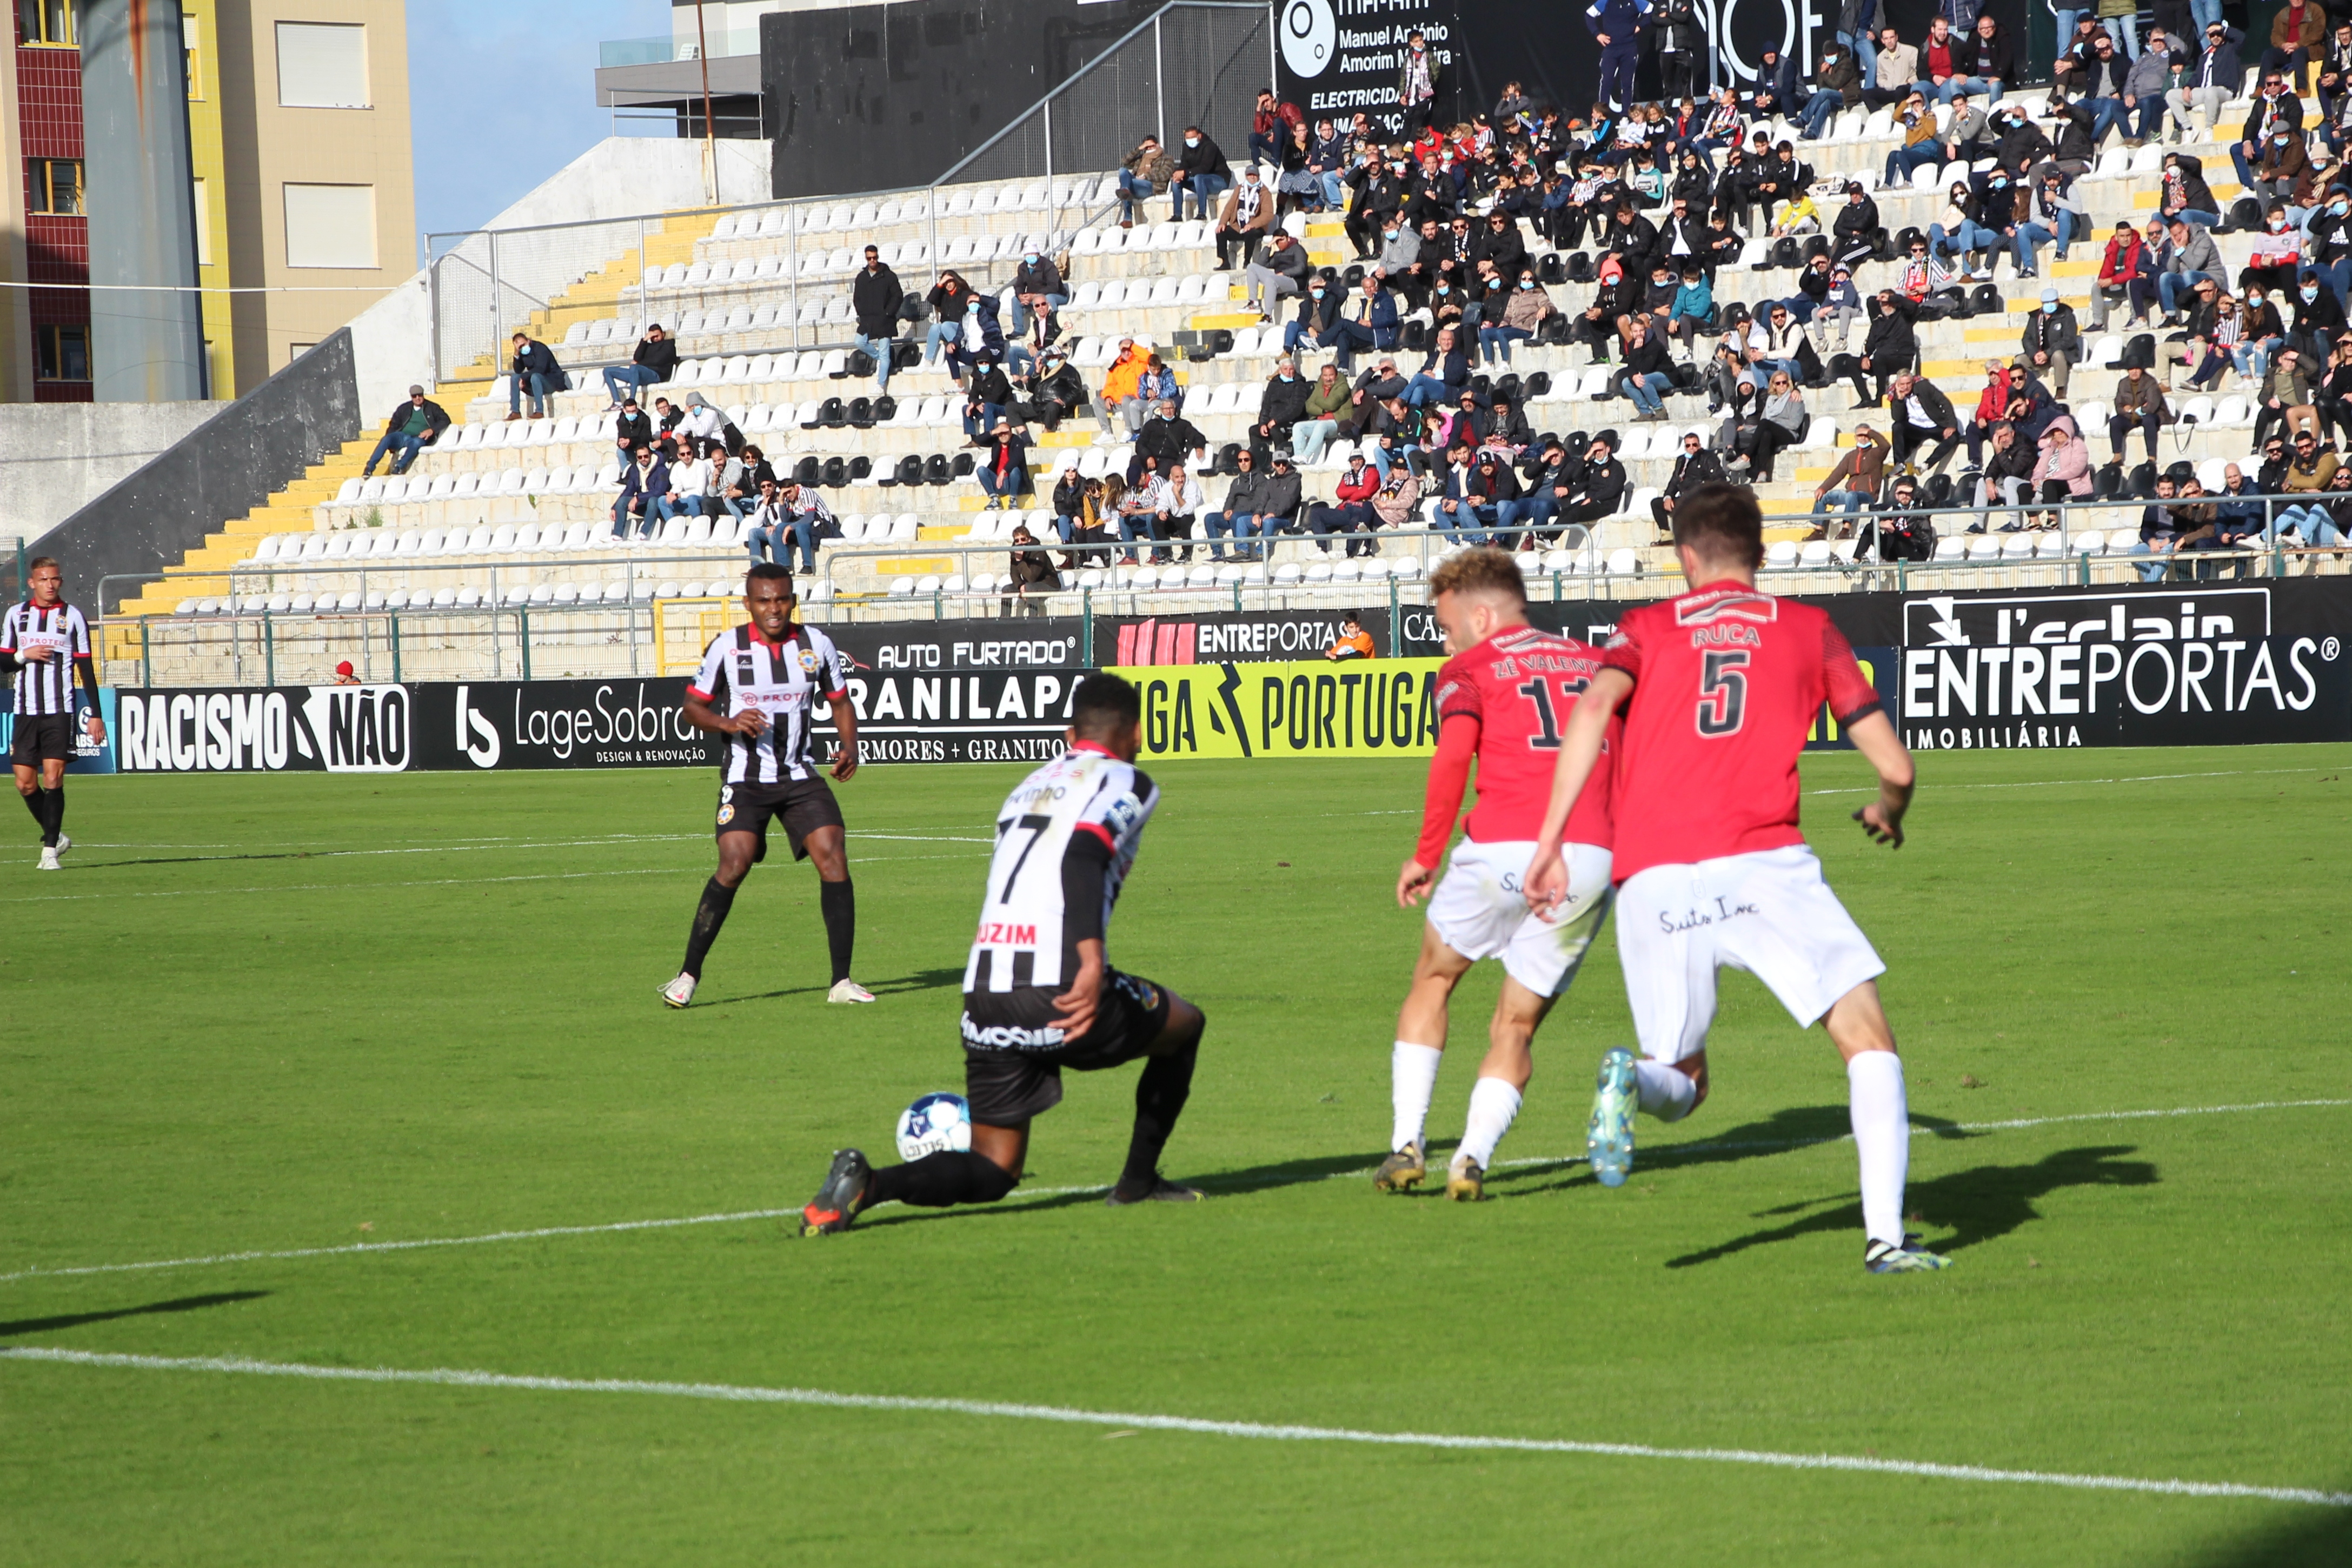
(2059, 784)
(449, 1377)
(543, 1232)
(481, 844)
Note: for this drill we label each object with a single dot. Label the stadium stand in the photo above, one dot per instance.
(516, 514)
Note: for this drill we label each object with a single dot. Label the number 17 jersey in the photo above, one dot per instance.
(1519, 685)
(1029, 932)
(1728, 682)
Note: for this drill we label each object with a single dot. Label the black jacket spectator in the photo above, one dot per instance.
(1974, 56)
(660, 356)
(1205, 159)
(436, 418)
(875, 299)
(1891, 344)
(535, 358)
(1169, 440)
(1038, 277)
(1284, 403)
(633, 431)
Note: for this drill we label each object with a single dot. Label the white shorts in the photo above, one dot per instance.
(1767, 913)
(1480, 911)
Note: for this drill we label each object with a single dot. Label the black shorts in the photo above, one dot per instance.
(1006, 1082)
(42, 737)
(803, 805)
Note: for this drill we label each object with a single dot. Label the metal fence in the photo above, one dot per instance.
(1191, 62)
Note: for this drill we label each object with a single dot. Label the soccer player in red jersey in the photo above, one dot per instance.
(1500, 700)
(1719, 688)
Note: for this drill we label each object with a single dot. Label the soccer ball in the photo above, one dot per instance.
(935, 1121)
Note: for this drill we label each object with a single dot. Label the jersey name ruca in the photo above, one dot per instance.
(1520, 685)
(44, 686)
(1023, 937)
(741, 669)
(1728, 682)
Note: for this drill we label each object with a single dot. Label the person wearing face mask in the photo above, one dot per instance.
(1202, 169)
(1280, 407)
(1374, 207)
(2329, 242)
(1282, 269)
(2285, 164)
(1247, 218)
(2318, 317)
(2273, 110)
(2050, 343)
(1037, 292)
(1318, 312)
(2276, 256)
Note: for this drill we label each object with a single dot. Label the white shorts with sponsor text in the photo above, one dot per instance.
(1768, 912)
(1480, 911)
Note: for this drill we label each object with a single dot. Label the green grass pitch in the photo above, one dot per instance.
(265, 1015)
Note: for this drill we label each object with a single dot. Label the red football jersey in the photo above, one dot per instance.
(1519, 685)
(1726, 682)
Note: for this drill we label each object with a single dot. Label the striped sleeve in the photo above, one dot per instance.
(711, 681)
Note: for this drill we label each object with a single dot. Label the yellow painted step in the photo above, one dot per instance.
(913, 565)
(1209, 321)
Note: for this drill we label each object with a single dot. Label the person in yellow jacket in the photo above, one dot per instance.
(1121, 384)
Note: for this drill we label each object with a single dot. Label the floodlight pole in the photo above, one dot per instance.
(709, 138)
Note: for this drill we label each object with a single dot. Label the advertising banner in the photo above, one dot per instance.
(296, 729)
(1340, 56)
(1372, 707)
(89, 757)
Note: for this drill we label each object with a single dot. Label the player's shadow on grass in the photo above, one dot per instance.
(1790, 1127)
(76, 1319)
(1224, 1184)
(2324, 1536)
(1981, 1205)
(903, 986)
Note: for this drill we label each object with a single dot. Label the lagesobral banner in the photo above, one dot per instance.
(1376, 708)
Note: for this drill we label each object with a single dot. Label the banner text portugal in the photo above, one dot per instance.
(1378, 707)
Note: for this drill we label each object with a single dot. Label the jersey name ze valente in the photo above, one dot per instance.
(1024, 936)
(742, 670)
(1728, 682)
(1519, 685)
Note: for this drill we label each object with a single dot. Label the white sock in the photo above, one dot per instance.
(1882, 1140)
(1493, 1105)
(1412, 1078)
(1662, 1089)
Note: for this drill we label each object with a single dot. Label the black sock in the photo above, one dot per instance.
(1160, 1096)
(839, 902)
(936, 1181)
(37, 803)
(708, 916)
(57, 820)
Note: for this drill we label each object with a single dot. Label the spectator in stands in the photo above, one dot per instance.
(1984, 60)
(769, 535)
(1367, 322)
(653, 363)
(1526, 307)
(414, 426)
(1889, 350)
(2286, 398)
(1270, 124)
(1280, 407)
(1247, 216)
(2221, 346)
(532, 372)
(1838, 75)
(2059, 215)
(1854, 239)
(1898, 69)
(1779, 88)
(1037, 292)
(874, 300)
(1327, 402)
(2006, 477)
(1142, 175)
(1477, 493)
(2052, 343)
(1780, 421)
(1069, 504)
(728, 490)
(2320, 519)
(2211, 79)
(2073, 44)
(1166, 439)
(1857, 29)
(2194, 259)
(2276, 256)
(1281, 270)
(1694, 464)
(978, 341)
(1176, 503)
(1376, 204)
(2313, 467)
(632, 429)
(2334, 395)
(2298, 31)
(1920, 413)
(1118, 392)
(2185, 194)
(1596, 485)
(1030, 568)
(2062, 472)
(1443, 374)
(986, 401)
(699, 422)
(1158, 384)
(1350, 512)
(1327, 161)
(2159, 532)
(1901, 529)
(2126, 275)
(2241, 520)
(1417, 74)
(1318, 312)
(1278, 506)
(1854, 483)
(1648, 375)
(689, 482)
(1919, 147)
(644, 495)
(1004, 465)
(1202, 169)
(1397, 502)
(2139, 401)
(1056, 390)
(949, 301)
(667, 415)
(1840, 309)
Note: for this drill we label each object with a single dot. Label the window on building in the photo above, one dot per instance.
(321, 64)
(46, 22)
(192, 53)
(64, 353)
(203, 224)
(331, 225)
(53, 186)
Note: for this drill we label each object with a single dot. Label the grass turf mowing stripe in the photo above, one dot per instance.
(451, 1377)
(670, 1223)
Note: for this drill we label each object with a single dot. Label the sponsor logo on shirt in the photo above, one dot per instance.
(1000, 933)
(1008, 1036)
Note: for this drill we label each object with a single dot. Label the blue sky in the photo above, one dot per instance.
(502, 93)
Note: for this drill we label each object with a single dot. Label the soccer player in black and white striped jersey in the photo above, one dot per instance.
(758, 686)
(1039, 991)
(44, 643)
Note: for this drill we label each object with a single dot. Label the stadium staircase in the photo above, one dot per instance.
(515, 516)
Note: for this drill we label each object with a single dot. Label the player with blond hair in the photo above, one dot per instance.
(1500, 701)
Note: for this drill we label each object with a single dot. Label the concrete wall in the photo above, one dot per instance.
(57, 457)
(622, 176)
